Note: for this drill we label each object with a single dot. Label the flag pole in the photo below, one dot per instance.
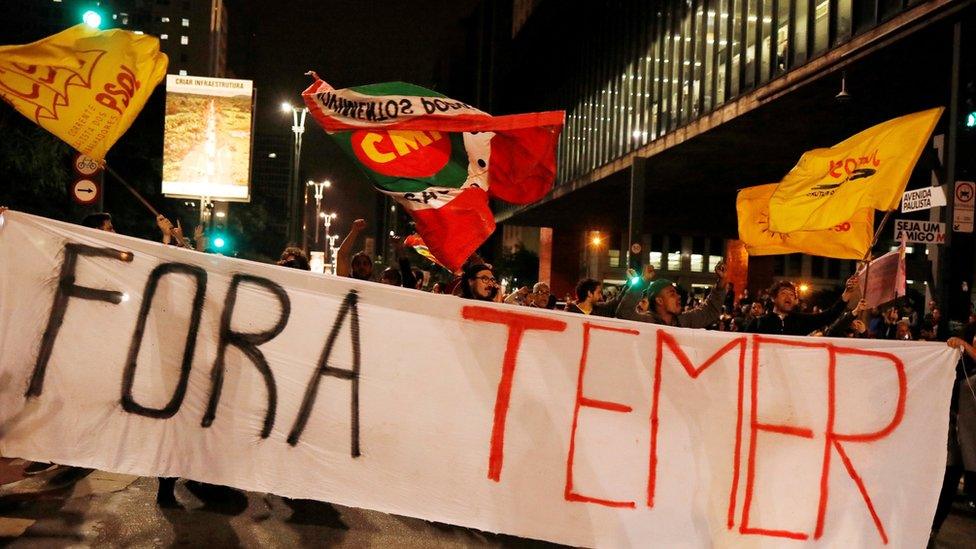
(179, 238)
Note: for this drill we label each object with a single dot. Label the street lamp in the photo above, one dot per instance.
(319, 188)
(327, 221)
(298, 127)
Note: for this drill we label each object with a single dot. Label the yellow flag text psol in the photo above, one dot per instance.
(849, 239)
(867, 170)
(83, 85)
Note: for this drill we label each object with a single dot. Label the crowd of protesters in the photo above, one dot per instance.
(779, 310)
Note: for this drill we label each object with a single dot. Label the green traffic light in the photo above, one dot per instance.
(635, 280)
(92, 18)
(971, 120)
(219, 243)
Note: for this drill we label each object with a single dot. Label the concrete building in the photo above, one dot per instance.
(671, 106)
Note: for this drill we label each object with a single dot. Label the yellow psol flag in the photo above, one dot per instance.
(868, 170)
(83, 85)
(849, 239)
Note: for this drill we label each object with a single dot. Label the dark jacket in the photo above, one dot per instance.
(604, 308)
(796, 323)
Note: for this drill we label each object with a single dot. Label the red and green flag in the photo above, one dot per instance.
(441, 159)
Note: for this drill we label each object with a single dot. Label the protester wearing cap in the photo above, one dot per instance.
(665, 302)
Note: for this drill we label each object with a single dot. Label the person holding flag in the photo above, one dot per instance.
(86, 86)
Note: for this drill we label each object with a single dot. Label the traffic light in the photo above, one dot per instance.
(971, 120)
(220, 240)
(92, 18)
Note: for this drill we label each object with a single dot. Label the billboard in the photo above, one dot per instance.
(207, 141)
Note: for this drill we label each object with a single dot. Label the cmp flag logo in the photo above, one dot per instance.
(402, 153)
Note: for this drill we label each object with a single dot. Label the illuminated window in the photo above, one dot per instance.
(713, 262)
(655, 259)
(184, 40)
(614, 257)
(164, 19)
(182, 72)
(163, 36)
(185, 22)
(674, 261)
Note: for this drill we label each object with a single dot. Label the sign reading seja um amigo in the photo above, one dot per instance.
(126, 355)
(922, 232)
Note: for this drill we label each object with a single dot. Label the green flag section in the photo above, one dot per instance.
(439, 158)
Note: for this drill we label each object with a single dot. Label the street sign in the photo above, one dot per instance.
(922, 199)
(922, 232)
(635, 248)
(86, 166)
(962, 213)
(85, 192)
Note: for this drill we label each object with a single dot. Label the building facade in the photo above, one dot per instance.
(671, 106)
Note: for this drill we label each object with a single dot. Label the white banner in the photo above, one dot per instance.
(129, 356)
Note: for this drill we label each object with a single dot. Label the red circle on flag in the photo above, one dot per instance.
(402, 153)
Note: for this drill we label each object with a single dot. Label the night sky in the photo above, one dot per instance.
(347, 43)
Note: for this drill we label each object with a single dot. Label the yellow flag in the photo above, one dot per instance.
(847, 240)
(868, 170)
(83, 85)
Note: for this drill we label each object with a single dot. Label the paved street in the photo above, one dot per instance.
(110, 510)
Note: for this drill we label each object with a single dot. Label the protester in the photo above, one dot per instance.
(665, 302)
(173, 233)
(360, 266)
(295, 258)
(936, 325)
(541, 297)
(589, 300)
(391, 277)
(101, 221)
(755, 311)
(886, 326)
(961, 455)
(783, 320)
(478, 282)
(903, 330)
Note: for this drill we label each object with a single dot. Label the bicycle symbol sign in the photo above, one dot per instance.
(86, 165)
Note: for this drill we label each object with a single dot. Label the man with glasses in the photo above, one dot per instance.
(478, 282)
